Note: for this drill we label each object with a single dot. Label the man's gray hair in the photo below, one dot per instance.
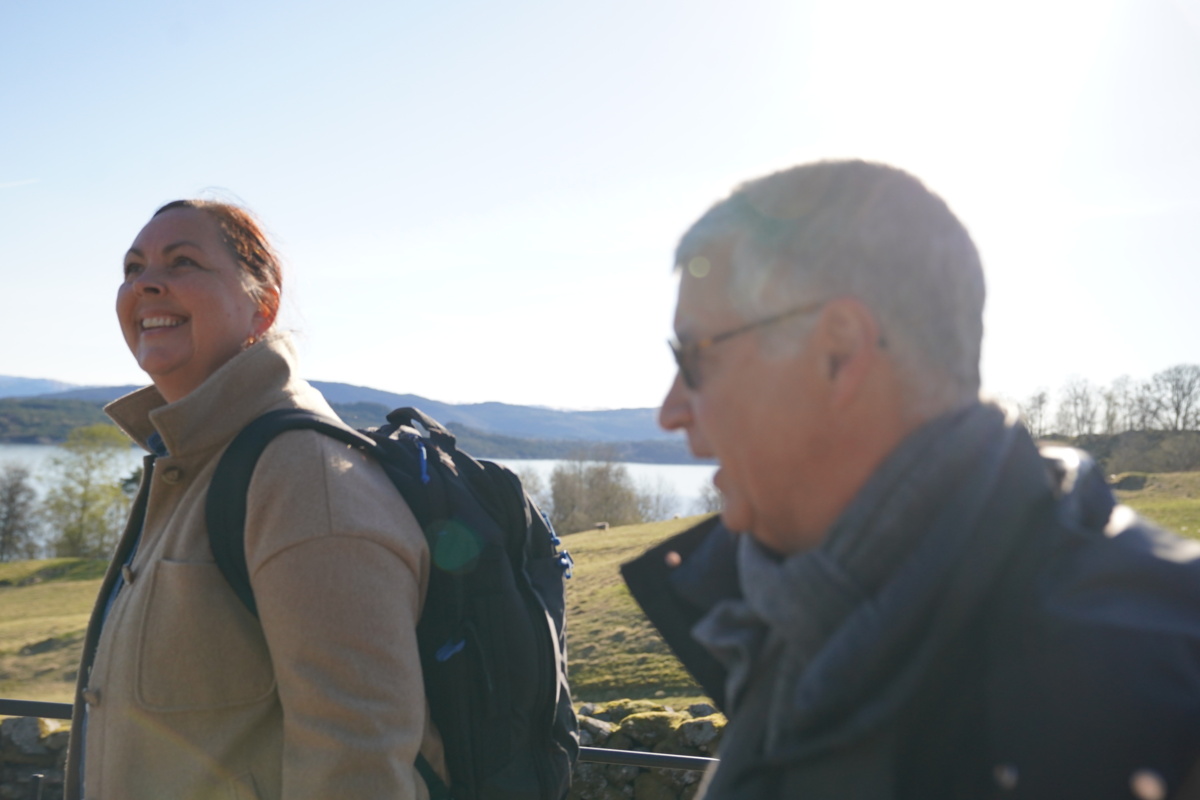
(855, 228)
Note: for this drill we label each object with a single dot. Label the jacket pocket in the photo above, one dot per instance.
(198, 647)
(243, 788)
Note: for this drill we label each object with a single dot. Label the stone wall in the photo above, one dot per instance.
(646, 726)
(30, 746)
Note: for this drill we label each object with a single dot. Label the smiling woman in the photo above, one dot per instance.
(183, 692)
(187, 304)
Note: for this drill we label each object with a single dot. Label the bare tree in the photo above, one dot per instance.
(535, 487)
(1113, 400)
(1178, 393)
(591, 488)
(1077, 408)
(709, 500)
(18, 521)
(1143, 407)
(1034, 412)
(657, 499)
(1119, 403)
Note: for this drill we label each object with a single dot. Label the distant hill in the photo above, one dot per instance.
(489, 430)
(33, 420)
(485, 444)
(28, 387)
(619, 425)
(527, 422)
(97, 394)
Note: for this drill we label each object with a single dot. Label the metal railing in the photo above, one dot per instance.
(595, 755)
(34, 708)
(638, 758)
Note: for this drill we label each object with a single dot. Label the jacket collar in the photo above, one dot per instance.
(259, 378)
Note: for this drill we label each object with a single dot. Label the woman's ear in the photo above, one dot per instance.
(268, 309)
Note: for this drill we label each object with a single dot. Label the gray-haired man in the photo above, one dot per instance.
(925, 606)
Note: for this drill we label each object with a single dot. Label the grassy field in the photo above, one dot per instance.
(44, 608)
(1171, 499)
(614, 651)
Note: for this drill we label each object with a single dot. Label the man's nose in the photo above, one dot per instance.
(675, 413)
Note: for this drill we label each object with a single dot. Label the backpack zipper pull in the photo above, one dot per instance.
(449, 650)
(417, 440)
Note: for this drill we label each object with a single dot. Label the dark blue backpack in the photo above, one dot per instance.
(492, 634)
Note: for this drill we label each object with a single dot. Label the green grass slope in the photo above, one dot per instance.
(44, 608)
(1170, 499)
(614, 651)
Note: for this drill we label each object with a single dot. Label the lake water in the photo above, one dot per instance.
(39, 459)
(685, 481)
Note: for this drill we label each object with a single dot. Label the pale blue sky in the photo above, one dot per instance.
(479, 201)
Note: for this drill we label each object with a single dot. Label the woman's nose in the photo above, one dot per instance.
(148, 281)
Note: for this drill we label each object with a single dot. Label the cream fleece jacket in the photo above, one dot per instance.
(187, 694)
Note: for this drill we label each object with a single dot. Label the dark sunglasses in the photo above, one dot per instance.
(687, 354)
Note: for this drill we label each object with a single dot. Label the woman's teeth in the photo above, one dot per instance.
(160, 322)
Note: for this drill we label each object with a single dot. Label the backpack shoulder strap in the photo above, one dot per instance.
(225, 505)
(225, 510)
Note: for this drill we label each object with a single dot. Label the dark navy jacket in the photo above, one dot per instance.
(1078, 678)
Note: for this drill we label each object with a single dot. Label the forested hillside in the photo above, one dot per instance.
(42, 420)
(35, 420)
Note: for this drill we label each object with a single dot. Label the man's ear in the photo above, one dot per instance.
(851, 338)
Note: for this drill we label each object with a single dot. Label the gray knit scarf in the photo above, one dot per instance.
(798, 645)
